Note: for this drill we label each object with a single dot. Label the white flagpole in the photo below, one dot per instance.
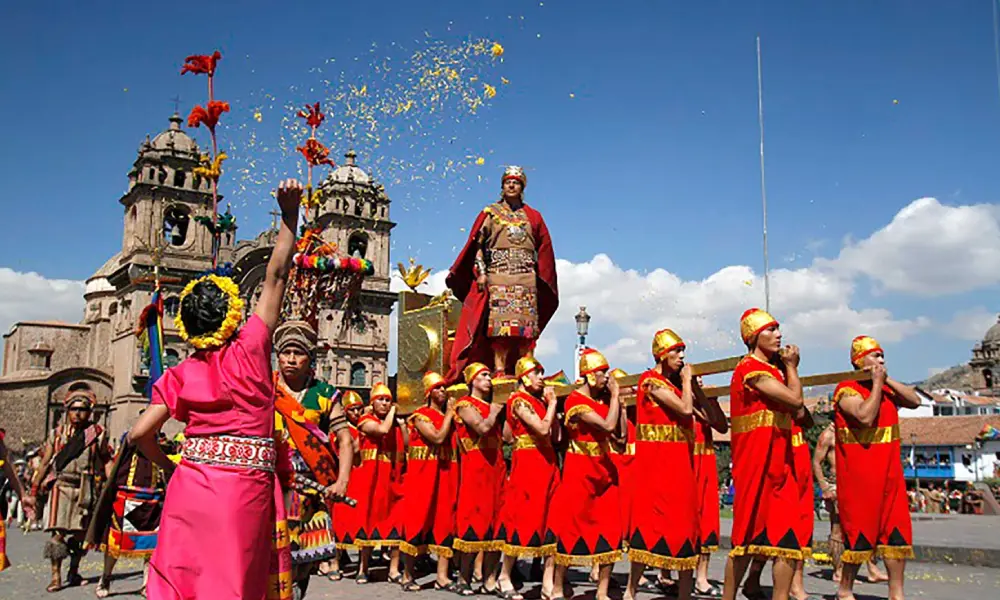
(763, 188)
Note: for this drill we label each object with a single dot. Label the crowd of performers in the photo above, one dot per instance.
(281, 475)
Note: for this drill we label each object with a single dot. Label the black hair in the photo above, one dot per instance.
(204, 309)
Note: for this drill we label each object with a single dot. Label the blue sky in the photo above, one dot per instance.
(636, 120)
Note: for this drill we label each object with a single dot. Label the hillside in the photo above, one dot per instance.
(956, 378)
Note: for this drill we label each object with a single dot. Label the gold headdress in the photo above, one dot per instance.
(525, 365)
(470, 372)
(432, 380)
(381, 390)
(350, 398)
(664, 341)
(753, 322)
(234, 313)
(592, 361)
(515, 172)
(861, 347)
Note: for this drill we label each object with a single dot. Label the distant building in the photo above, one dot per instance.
(985, 362)
(948, 448)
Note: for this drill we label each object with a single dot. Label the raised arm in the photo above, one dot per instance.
(143, 435)
(474, 421)
(539, 426)
(709, 409)
(610, 423)
(683, 405)
(788, 395)
(433, 435)
(373, 430)
(906, 396)
(280, 264)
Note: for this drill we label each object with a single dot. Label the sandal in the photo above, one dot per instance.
(451, 586)
(464, 589)
(411, 586)
(76, 580)
(398, 579)
(53, 587)
(334, 575)
(361, 579)
(511, 594)
(103, 589)
(713, 591)
(482, 591)
(649, 586)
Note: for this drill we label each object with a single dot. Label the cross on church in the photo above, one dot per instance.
(274, 219)
(177, 103)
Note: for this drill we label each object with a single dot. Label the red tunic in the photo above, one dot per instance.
(587, 523)
(871, 491)
(471, 343)
(807, 495)
(427, 508)
(664, 504)
(346, 520)
(706, 476)
(530, 485)
(379, 485)
(623, 463)
(481, 474)
(766, 509)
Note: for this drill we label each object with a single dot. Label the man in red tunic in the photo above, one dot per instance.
(506, 278)
(766, 397)
(871, 491)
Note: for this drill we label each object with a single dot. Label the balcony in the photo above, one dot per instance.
(930, 472)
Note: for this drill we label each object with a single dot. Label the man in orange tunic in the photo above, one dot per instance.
(481, 474)
(871, 491)
(766, 398)
(708, 415)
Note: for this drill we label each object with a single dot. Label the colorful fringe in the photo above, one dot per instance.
(768, 551)
(529, 551)
(582, 560)
(280, 578)
(663, 562)
(470, 547)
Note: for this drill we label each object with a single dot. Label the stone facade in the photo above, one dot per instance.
(985, 362)
(161, 237)
(354, 342)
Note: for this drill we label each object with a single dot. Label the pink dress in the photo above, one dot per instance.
(217, 526)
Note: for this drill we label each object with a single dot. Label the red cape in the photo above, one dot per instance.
(471, 343)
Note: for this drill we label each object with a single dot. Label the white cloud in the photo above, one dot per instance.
(32, 297)
(971, 324)
(929, 249)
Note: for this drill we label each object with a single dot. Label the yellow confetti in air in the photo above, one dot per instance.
(480, 161)
(490, 91)
(894, 101)
(504, 80)
(257, 116)
(748, 282)
(497, 49)
(572, 95)
(125, 89)
(363, 91)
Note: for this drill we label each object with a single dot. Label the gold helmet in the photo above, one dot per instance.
(432, 380)
(381, 390)
(664, 341)
(753, 322)
(515, 172)
(618, 373)
(861, 347)
(525, 365)
(470, 372)
(350, 399)
(592, 361)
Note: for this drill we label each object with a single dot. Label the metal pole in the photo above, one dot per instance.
(763, 188)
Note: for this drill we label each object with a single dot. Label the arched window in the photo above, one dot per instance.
(358, 208)
(171, 305)
(170, 358)
(988, 377)
(179, 178)
(175, 225)
(112, 309)
(358, 375)
(357, 243)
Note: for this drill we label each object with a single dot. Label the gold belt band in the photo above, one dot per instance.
(483, 443)
(588, 448)
(428, 453)
(761, 418)
(663, 433)
(375, 454)
(703, 449)
(526, 442)
(798, 440)
(868, 435)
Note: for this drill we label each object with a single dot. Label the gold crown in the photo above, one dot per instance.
(862, 346)
(525, 365)
(381, 390)
(470, 372)
(591, 360)
(431, 381)
(515, 172)
(618, 373)
(664, 341)
(753, 322)
(350, 399)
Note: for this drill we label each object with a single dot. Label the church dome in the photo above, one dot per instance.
(992, 334)
(174, 139)
(349, 172)
(98, 282)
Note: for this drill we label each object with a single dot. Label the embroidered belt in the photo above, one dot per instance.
(376, 454)
(703, 449)
(429, 453)
(663, 433)
(483, 443)
(868, 435)
(526, 442)
(585, 448)
(510, 261)
(761, 418)
(798, 440)
(231, 451)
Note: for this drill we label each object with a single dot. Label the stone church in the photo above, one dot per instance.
(161, 239)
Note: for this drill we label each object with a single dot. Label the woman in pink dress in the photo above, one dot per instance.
(218, 528)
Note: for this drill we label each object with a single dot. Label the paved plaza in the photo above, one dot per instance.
(26, 580)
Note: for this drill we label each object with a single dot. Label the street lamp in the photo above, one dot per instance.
(582, 326)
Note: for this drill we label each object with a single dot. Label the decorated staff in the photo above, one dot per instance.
(481, 472)
(664, 435)
(766, 397)
(871, 490)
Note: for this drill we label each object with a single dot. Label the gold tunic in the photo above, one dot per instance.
(511, 264)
